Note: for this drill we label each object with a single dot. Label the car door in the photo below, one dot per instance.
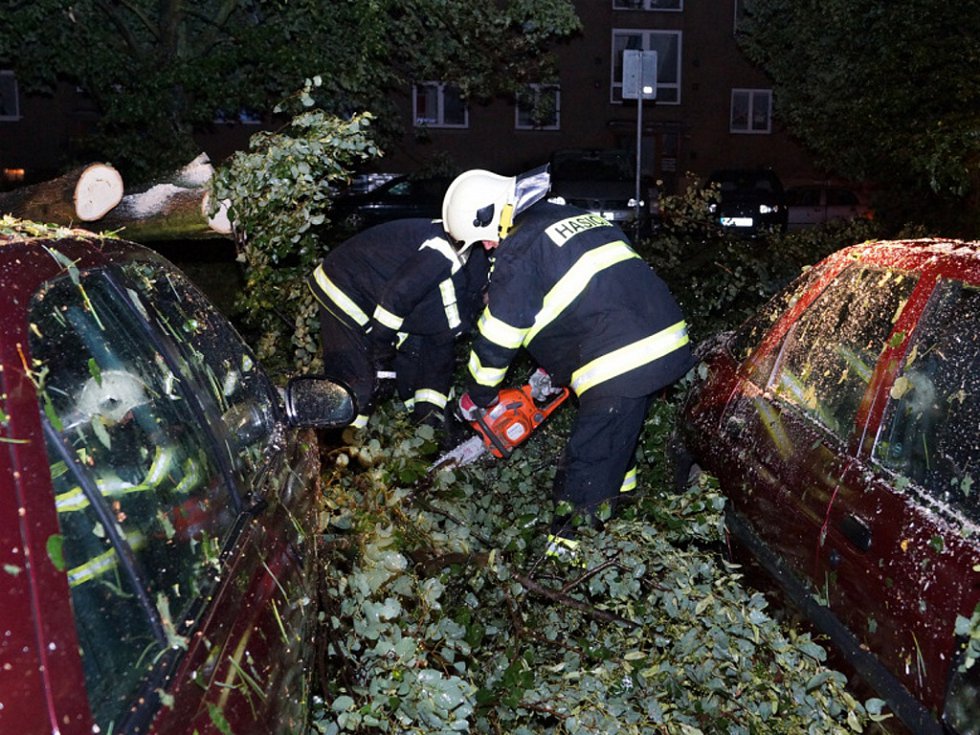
(805, 206)
(263, 609)
(795, 425)
(185, 579)
(925, 516)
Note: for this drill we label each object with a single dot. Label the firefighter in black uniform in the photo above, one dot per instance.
(393, 298)
(568, 287)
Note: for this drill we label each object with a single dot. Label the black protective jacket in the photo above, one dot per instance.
(401, 277)
(568, 287)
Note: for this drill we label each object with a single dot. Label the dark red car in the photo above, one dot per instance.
(843, 424)
(157, 512)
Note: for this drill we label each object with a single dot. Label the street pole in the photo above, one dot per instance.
(638, 66)
(639, 149)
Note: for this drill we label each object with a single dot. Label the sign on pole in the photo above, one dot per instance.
(639, 75)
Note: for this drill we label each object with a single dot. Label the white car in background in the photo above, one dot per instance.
(815, 204)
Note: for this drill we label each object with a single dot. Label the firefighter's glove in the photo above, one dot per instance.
(541, 386)
(467, 410)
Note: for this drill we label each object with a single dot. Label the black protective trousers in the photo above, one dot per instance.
(347, 358)
(420, 362)
(601, 448)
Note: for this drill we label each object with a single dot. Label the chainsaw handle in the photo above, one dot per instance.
(491, 437)
(553, 401)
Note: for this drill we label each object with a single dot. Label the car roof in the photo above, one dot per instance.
(738, 173)
(32, 254)
(916, 253)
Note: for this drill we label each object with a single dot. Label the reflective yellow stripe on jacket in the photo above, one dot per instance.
(629, 481)
(446, 288)
(342, 300)
(641, 352)
(485, 374)
(575, 281)
(500, 332)
(385, 317)
(448, 292)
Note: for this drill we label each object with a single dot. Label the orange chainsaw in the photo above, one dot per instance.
(506, 423)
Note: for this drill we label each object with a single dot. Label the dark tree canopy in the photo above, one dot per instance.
(879, 90)
(160, 69)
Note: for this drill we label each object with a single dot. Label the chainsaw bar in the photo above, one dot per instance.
(465, 453)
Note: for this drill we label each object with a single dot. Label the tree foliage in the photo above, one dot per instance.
(878, 90)
(442, 613)
(158, 70)
(720, 278)
(278, 194)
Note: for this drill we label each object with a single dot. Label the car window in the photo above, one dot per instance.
(401, 188)
(929, 433)
(235, 393)
(746, 181)
(841, 198)
(828, 356)
(118, 640)
(748, 336)
(144, 509)
(803, 197)
(598, 166)
(962, 707)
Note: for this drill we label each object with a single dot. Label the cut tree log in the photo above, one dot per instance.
(84, 194)
(173, 209)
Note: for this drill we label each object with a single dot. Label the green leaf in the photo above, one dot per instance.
(218, 719)
(54, 547)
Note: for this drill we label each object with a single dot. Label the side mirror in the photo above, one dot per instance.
(318, 402)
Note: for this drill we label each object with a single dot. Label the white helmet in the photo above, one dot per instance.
(478, 206)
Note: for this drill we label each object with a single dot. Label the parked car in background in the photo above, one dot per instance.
(751, 201)
(157, 505)
(842, 424)
(401, 197)
(815, 204)
(603, 181)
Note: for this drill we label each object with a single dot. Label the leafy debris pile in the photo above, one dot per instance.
(442, 613)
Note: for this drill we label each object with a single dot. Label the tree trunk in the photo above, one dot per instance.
(82, 195)
(173, 209)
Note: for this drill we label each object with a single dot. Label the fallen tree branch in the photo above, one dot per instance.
(432, 564)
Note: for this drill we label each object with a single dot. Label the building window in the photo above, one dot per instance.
(648, 5)
(538, 108)
(751, 111)
(667, 44)
(439, 105)
(9, 98)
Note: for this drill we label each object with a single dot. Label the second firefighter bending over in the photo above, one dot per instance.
(394, 298)
(568, 287)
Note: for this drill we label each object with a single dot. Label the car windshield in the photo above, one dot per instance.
(608, 166)
(745, 182)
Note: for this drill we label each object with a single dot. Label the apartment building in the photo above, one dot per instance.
(713, 109)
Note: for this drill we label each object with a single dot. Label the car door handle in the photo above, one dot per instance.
(856, 532)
